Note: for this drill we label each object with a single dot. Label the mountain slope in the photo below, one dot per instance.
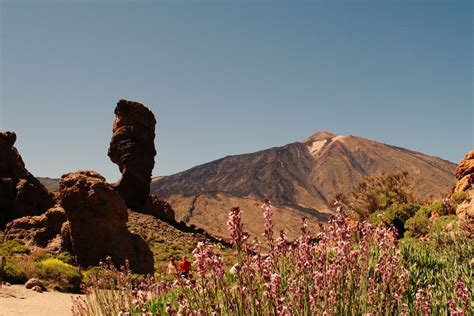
(300, 179)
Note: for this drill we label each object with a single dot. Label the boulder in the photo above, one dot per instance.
(21, 194)
(37, 289)
(465, 176)
(34, 282)
(46, 230)
(97, 217)
(465, 173)
(132, 148)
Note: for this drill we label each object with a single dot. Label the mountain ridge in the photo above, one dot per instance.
(303, 176)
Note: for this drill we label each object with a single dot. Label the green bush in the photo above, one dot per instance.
(395, 215)
(62, 276)
(438, 207)
(14, 274)
(417, 226)
(457, 198)
(378, 192)
(398, 214)
(440, 223)
(11, 247)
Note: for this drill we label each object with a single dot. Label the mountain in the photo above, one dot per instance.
(50, 183)
(301, 179)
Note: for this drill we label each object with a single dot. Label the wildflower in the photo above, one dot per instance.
(235, 228)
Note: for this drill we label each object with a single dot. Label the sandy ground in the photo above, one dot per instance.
(17, 300)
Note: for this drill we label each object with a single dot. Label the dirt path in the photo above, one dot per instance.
(17, 300)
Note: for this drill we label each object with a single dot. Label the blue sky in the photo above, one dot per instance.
(229, 77)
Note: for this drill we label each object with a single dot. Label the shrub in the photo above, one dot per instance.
(417, 226)
(62, 276)
(377, 193)
(439, 223)
(14, 274)
(10, 247)
(439, 207)
(458, 198)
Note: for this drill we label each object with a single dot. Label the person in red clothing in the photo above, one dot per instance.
(185, 267)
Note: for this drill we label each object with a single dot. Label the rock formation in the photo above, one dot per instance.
(97, 217)
(465, 173)
(21, 194)
(132, 148)
(465, 176)
(49, 230)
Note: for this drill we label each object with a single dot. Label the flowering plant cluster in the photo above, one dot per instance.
(347, 268)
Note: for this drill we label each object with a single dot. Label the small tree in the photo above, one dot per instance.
(377, 193)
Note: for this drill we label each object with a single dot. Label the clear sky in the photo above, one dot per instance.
(229, 77)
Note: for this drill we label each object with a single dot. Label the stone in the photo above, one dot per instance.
(43, 231)
(465, 176)
(35, 282)
(21, 194)
(465, 173)
(37, 289)
(97, 217)
(132, 148)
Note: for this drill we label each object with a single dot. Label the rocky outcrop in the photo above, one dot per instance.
(97, 218)
(21, 194)
(465, 183)
(49, 230)
(132, 148)
(465, 173)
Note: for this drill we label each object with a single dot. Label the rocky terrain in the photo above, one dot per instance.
(300, 179)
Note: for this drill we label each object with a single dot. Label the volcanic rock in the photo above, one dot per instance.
(21, 194)
(465, 173)
(97, 218)
(48, 230)
(465, 176)
(132, 148)
(34, 282)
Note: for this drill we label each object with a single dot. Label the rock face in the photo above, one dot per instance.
(132, 148)
(97, 218)
(21, 194)
(465, 176)
(465, 173)
(49, 230)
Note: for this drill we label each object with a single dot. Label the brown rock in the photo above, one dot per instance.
(132, 147)
(97, 218)
(466, 166)
(465, 176)
(21, 194)
(465, 212)
(465, 173)
(34, 282)
(43, 231)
